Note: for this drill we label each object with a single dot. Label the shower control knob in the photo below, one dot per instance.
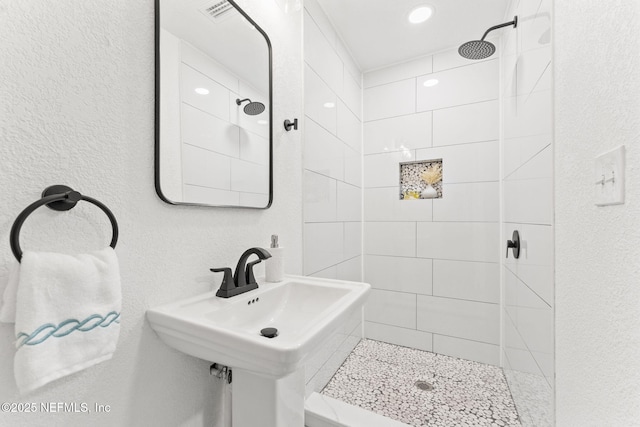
(514, 244)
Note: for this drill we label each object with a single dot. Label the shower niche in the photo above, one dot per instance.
(421, 180)
(213, 106)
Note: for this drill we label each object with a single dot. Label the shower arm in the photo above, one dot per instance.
(506, 24)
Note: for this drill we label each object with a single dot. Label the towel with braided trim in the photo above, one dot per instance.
(67, 314)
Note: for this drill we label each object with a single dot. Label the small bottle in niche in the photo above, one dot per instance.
(275, 265)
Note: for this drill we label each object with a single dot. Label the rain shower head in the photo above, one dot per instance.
(252, 108)
(481, 49)
(477, 49)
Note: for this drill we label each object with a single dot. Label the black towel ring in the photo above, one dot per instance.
(59, 198)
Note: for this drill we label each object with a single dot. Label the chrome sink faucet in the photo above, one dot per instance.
(243, 280)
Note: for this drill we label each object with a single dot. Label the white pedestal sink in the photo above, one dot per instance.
(268, 374)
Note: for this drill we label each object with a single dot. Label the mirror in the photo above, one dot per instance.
(213, 105)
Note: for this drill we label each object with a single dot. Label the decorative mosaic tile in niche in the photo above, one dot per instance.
(418, 180)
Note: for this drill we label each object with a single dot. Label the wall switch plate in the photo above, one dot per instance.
(609, 177)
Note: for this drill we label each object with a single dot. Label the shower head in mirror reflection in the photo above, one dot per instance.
(482, 49)
(207, 155)
(252, 108)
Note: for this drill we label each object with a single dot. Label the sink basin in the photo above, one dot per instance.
(268, 373)
(304, 310)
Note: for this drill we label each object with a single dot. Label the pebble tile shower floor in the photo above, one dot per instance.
(382, 378)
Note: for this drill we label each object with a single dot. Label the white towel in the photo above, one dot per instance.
(8, 305)
(67, 314)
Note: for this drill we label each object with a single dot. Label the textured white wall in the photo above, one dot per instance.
(77, 108)
(597, 107)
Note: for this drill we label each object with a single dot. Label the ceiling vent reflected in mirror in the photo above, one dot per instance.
(217, 10)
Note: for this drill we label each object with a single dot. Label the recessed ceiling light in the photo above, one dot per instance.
(202, 91)
(430, 82)
(329, 105)
(420, 14)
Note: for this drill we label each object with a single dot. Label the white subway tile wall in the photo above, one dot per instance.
(477, 162)
(472, 281)
(323, 245)
(390, 100)
(209, 132)
(349, 202)
(381, 204)
(398, 133)
(352, 166)
(407, 337)
(396, 239)
(392, 308)
(352, 240)
(466, 123)
(410, 69)
(323, 151)
(332, 186)
(464, 241)
(466, 349)
(527, 178)
(472, 202)
(332, 152)
(350, 269)
(205, 195)
(349, 127)
(319, 101)
(321, 56)
(383, 170)
(458, 86)
(223, 153)
(207, 169)
(434, 263)
(477, 321)
(320, 197)
(410, 275)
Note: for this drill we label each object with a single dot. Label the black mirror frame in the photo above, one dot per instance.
(157, 113)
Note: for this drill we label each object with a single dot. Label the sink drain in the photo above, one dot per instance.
(424, 386)
(269, 332)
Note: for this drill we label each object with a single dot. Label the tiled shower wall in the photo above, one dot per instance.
(332, 153)
(214, 153)
(527, 169)
(332, 186)
(433, 264)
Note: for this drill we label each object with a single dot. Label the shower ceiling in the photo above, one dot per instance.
(378, 33)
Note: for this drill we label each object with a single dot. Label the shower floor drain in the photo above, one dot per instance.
(423, 385)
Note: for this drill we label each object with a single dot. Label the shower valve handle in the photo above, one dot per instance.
(514, 244)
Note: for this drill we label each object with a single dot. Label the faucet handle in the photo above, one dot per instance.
(227, 280)
(251, 278)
